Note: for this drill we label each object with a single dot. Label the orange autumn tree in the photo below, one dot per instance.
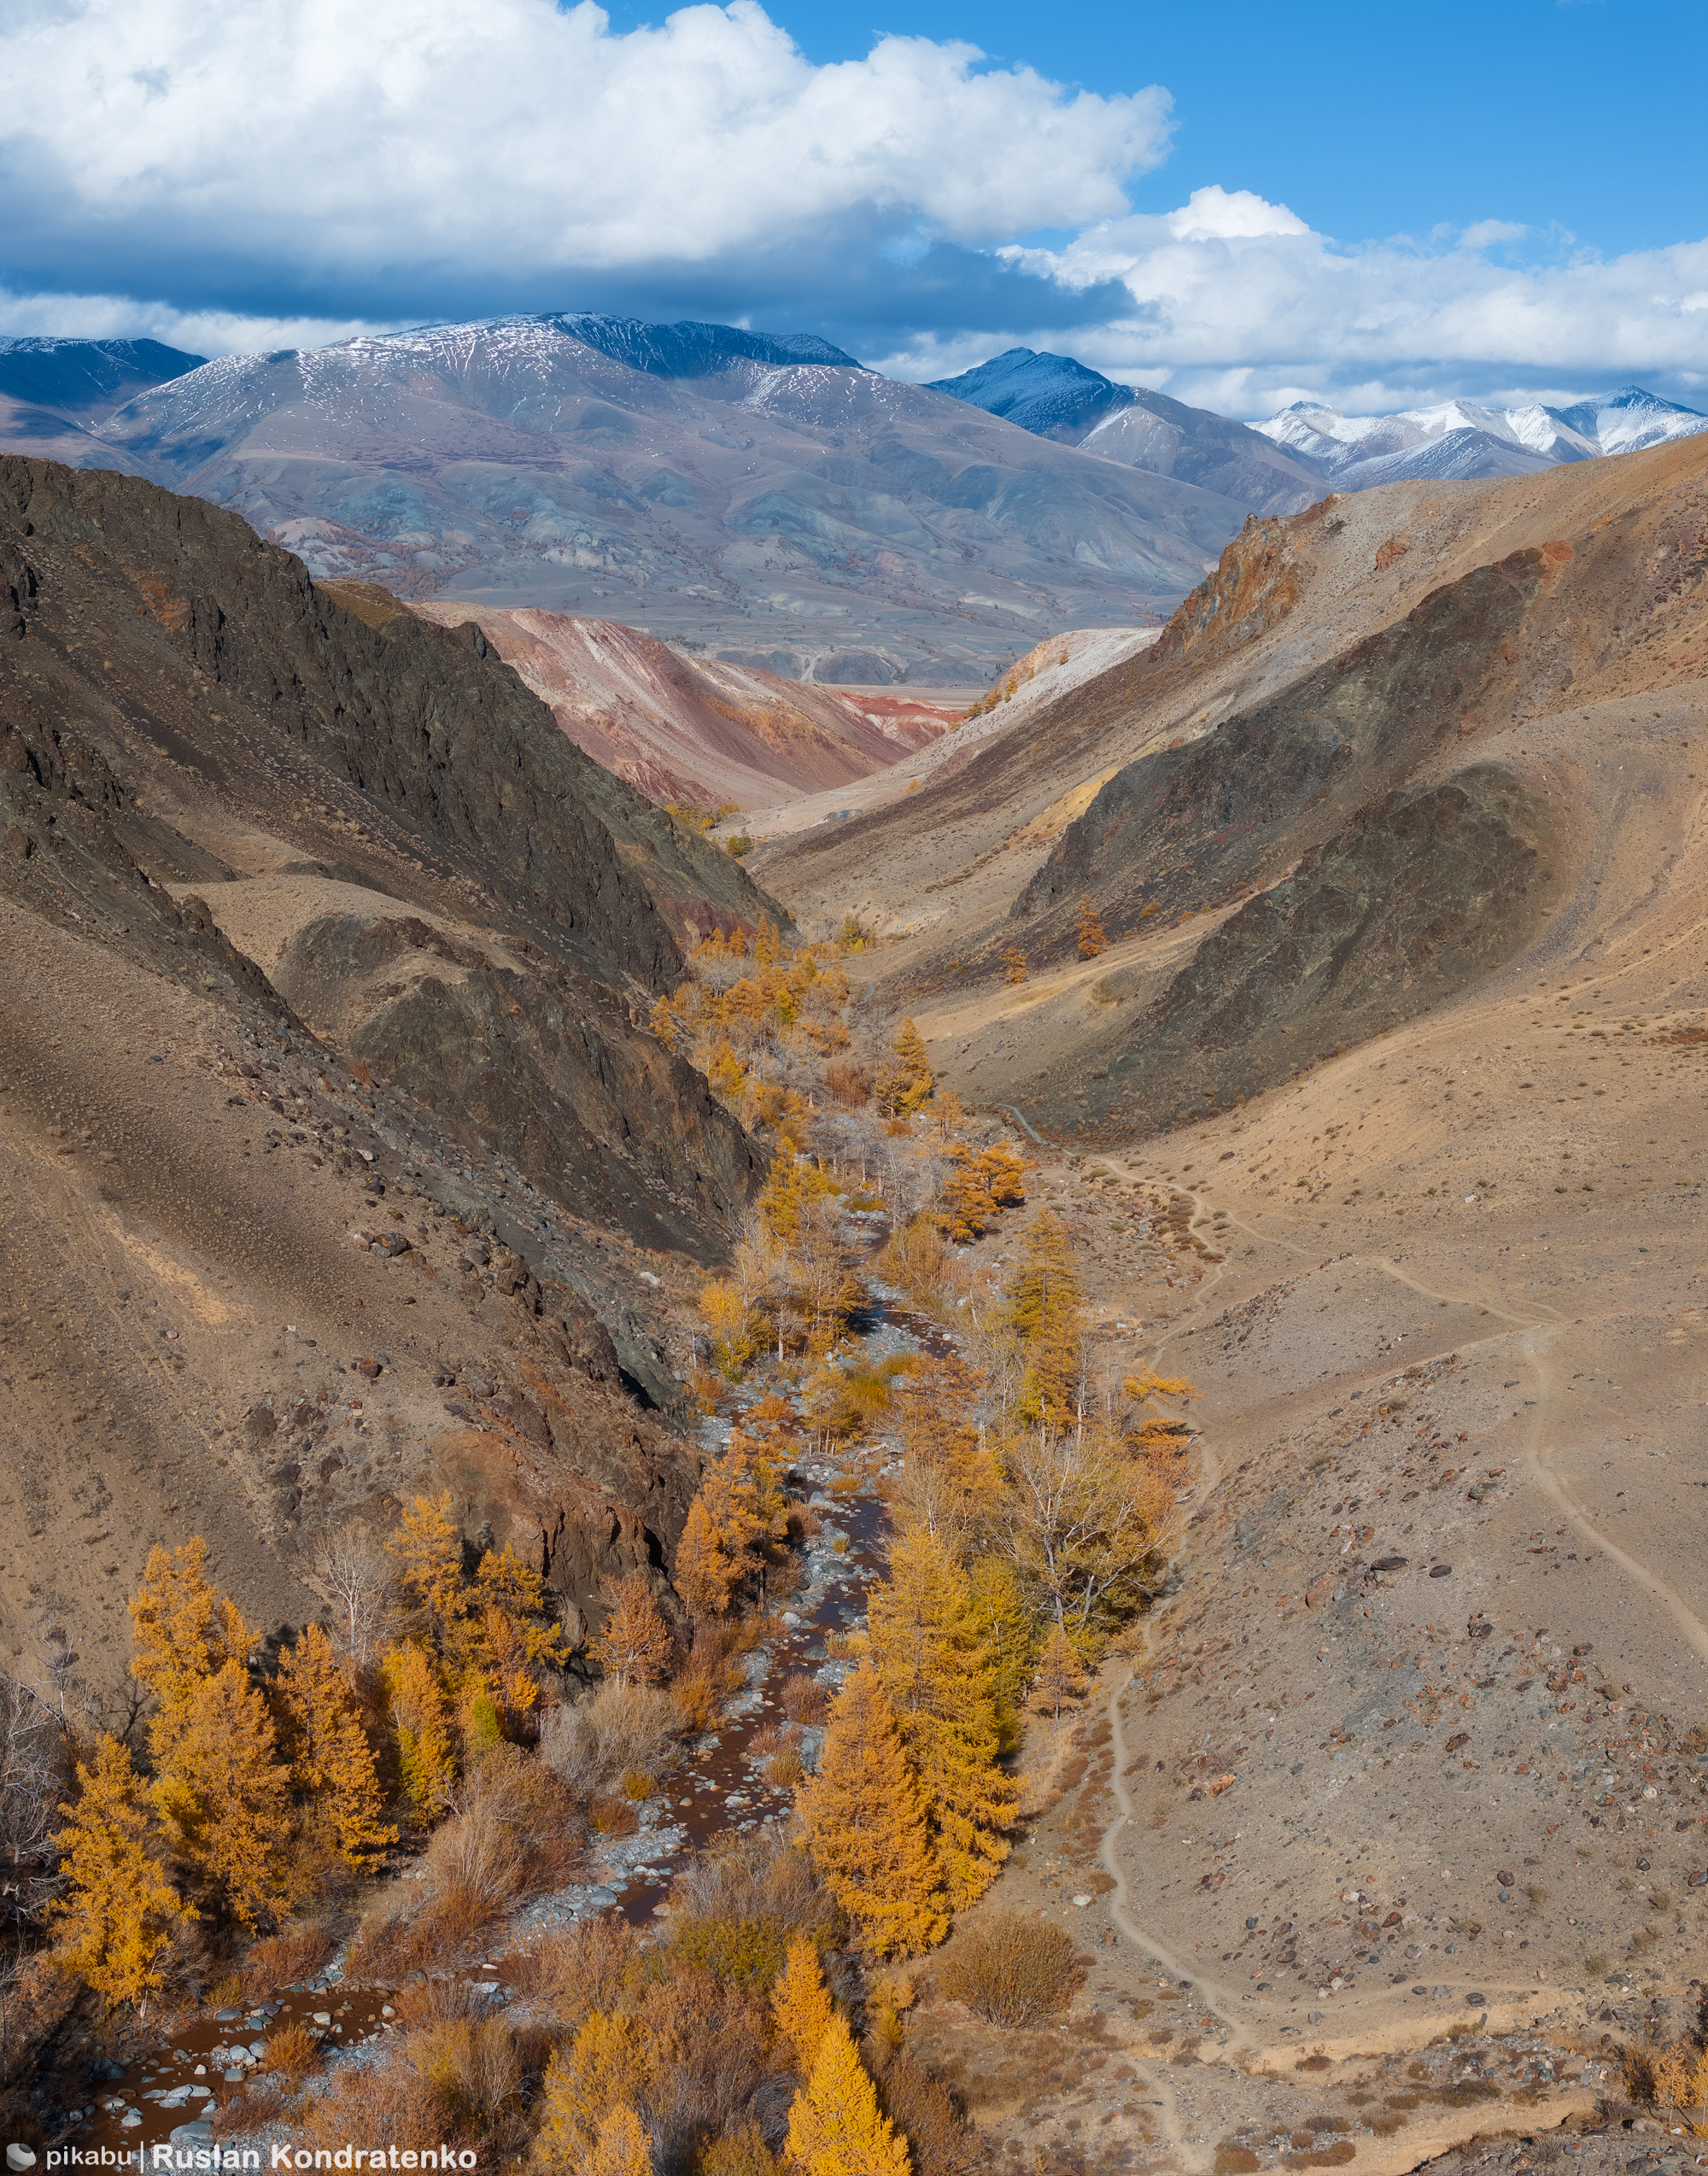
(184, 1631)
(488, 1637)
(867, 1826)
(634, 1645)
(801, 2007)
(332, 1761)
(836, 2127)
(1089, 929)
(225, 1798)
(119, 1913)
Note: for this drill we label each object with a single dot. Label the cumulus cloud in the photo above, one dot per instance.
(1239, 305)
(199, 332)
(332, 147)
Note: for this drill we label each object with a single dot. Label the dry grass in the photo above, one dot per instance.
(784, 1769)
(472, 2064)
(803, 1699)
(284, 1959)
(1010, 1971)
(567, 1976)
(617, 1727)
(264, 2102)
(394, 2103)
(294, 2052)
(613, 1817)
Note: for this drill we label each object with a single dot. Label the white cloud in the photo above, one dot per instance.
(201, 332)
(1487, 232)
(320, 141)
(1237, 310)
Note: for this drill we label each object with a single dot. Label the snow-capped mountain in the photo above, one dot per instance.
(1056, 397)
(761, 495)
(1465, 440)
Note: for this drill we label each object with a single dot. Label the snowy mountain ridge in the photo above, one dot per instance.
(1467, 439)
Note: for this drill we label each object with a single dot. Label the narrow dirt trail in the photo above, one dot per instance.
(1537, 1352)
(1537, 1338)
(1214, 2000)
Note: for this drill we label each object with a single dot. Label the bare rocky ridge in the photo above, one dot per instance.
(333, 1149)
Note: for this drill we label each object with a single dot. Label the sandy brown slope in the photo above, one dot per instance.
(1337, 759)
(1417, 1740)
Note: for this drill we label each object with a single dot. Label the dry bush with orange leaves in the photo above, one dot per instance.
(394, 2103)
(283, 1959)
(566, 1977)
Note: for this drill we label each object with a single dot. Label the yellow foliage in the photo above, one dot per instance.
(421, 1721)
(867, 1827)
(332, 1761)
(224, 1798)
(429, 1548)
(926, 1649)
(704, 1571)
(1089, 928)
(119, 1912)
(184, 1631)
(604, 2069)
(801, 2004)
(634, 1645)
(905, 1081)
(836, 2127)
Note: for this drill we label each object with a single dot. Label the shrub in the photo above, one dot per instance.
(940, 2140)
(613, 1817)
(847, 1083)
(637, 1785)
(568, 1976)
(784, 1769)
(264, 2102)
(283, 1959)
(764, 1743)
(393, 2103)
(1010, 1971)
(745, 1952)
(471, 2063)
(803, 1699)
(618, 1727)
(294, 2052)
(754, 1878)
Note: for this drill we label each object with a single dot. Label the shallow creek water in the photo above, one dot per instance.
(718, 1788)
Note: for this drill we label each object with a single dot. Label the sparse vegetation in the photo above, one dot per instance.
(1010, 1971)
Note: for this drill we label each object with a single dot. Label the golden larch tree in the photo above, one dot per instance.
(184, 1630)
(226, 1797)
(905, 1081)
(604, 2069)
(867, 1826)
(836, 2127)
(1014, 964)
(1043, 1308)
(331, 1762)
(420, 1719)
(623, 2146)
(428, 1546)
(1089, 929)
(926, 1650)
(801, 2006)
(119, 1912)
(633, 1644)
(704, 1572)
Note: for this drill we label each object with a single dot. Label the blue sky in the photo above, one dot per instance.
(1377, 206)
(1373, 120)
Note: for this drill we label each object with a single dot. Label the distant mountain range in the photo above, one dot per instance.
(761, 496)
(1465, 440)
(1058, 398)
